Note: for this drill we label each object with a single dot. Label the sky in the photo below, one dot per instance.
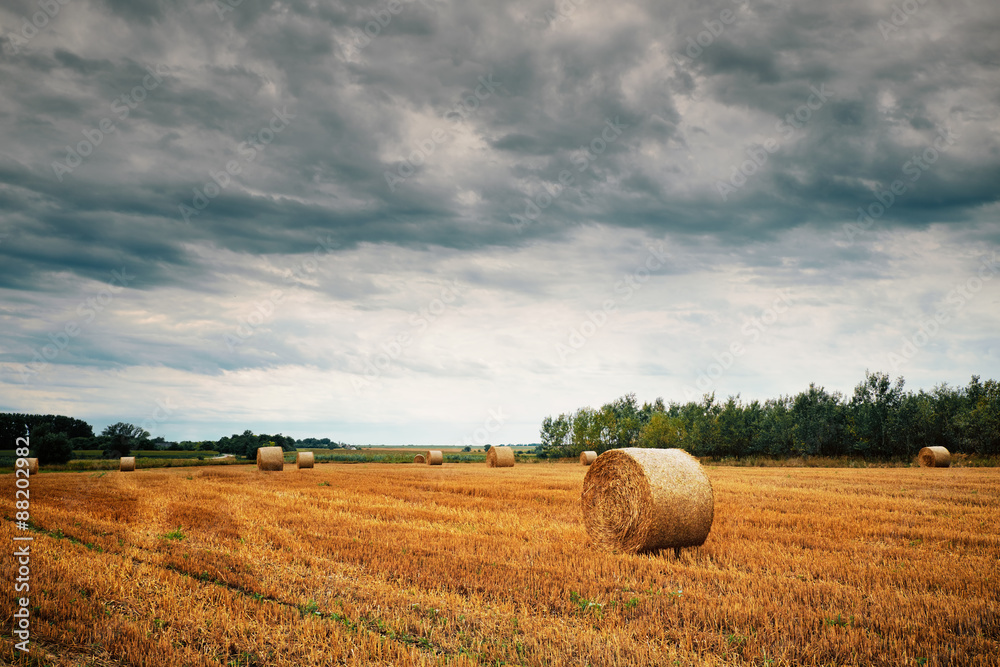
(432, 222)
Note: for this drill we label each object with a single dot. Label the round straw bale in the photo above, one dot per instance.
(588, 457)
(500, 457)
(419, 458)
(435, 457)
(126, 464)
(934, 457)
(305, 460)
(270, 458)
(638, 500)
(32, 466)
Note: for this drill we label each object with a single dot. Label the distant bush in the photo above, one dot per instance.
(50, 447)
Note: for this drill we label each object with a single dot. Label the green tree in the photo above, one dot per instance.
(873, 416)
(554, 436)
(819, 421)
(624, 421)
(775, 433)
(734, 433)
(49, 447)
(980, 422)
(585, 436)
(662, 431)
(701, 422)
(122, 438)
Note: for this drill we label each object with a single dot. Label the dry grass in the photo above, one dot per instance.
(382, 564)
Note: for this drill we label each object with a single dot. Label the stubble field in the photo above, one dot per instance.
(465, 565)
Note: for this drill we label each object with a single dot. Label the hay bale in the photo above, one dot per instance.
(934, 457)
(419, 458)
(270, 458)
(588, 457)
(126, 464)
(638, 500)
(500, 457)
(304, 460)
(32, 466)
(435, 457)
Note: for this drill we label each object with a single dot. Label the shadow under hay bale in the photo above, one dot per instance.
(934, 457)
(270, 458)
(126, 464)
(419, 458)
(305, 460)
(588, 457)
(639, 500)
(435, 457)
(500, 457)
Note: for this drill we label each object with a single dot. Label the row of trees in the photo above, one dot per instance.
(54, 438)
(15, 425)
(880, 420)
(245, 444)
(319, 443)
(51, 445)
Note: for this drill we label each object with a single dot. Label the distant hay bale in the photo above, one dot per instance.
(934, 457)
(32, 466)
(419, 458)
(638, 500)
(435, 457)
(126, 464)
(270, 458)
(500, 457)
(305, 460)
(588, 457)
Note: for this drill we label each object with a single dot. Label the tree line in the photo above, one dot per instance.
(880, 420)
(54, 438)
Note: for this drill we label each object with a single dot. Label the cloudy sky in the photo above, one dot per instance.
(430, 221)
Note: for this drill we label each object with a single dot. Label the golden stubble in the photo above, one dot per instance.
(402, 564)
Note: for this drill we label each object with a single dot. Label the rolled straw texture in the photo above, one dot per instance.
(588, 457)
(435, 457)
(500, 457)
(934, 457)
(32, 466)
(126, 464)
(419, 458)
(638, 500)
(270, 458)
(305, 460)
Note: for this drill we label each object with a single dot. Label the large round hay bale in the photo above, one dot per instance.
(934, 457)
(638, 500)
(126, 464)
(305, 460)
(435, 457)
(270, 458)
(419, 458)
(500, 457)
(32, 466)
(588, 457)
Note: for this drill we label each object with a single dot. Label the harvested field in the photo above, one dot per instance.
(387, 564)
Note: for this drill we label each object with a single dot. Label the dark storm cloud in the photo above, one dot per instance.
(363, 104)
